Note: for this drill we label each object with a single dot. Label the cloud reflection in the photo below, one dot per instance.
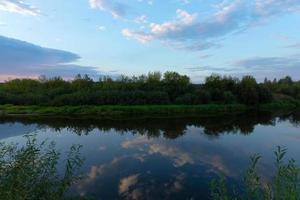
(126, 183)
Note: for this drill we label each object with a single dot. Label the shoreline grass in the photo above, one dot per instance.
(119, 111)
(113, 110)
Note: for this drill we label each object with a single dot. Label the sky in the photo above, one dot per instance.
(133, 37)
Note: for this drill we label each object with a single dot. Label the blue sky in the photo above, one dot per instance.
(194, 37)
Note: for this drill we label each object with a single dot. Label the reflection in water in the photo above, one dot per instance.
(164, 158)
(170, 128)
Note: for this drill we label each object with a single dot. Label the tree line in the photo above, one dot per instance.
(151, 89)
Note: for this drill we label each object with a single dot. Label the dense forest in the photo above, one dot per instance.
(152, 89)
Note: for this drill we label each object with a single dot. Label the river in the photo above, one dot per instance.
(174, 158)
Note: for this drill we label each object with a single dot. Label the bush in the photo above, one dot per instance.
(229, 98)
(203, 97)
(247, 91)
(217, 95)
(285, 184)
(186, 99)
(30, 171)
(264, 94)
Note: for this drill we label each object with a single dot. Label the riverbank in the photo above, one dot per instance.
(123, 111)
(139, 111)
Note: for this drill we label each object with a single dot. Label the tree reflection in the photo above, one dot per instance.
(170, 128)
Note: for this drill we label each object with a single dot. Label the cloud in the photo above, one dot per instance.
(165, 30)
(209, 68)
(192, 46)
(137, 35)
(273, 67)
(101, 28)
(296, 46)
(230, 17)
(149, 2)
(185, 1)
(18, 6)
(19, 58)
(205, 56)
(267, 63)
(275, 7)
(142, 19)
(115, 8)
(174, 29)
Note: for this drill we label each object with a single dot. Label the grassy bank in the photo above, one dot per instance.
(124, 111)
(140, 111)
(280, 105)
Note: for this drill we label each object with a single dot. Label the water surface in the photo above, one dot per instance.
(163, 158)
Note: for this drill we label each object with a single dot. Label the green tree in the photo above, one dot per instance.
(176, 84)
(248, 91)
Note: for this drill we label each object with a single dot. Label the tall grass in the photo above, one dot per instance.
(31, 171)
(285, 184)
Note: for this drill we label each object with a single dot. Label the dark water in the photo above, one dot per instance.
(164, 158)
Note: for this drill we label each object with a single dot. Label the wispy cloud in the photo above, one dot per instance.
(115, 8)
(270, 63)
(272, 67)
(296, 46)
(149, 2)
(101, 28)
(210, 69)
(20, 58)
(275, 7)
(18, 6)
(142, 19)
(230, 17)
(185, 1)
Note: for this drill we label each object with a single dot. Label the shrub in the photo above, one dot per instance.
(284, 186)
(30, 171)
(229, 98)
(264, 94)
(248, 91)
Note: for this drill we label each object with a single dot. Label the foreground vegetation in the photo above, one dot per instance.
(170, 88)
(31, 171)
(285, 185)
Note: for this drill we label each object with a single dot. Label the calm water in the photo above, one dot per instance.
(164, 158)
